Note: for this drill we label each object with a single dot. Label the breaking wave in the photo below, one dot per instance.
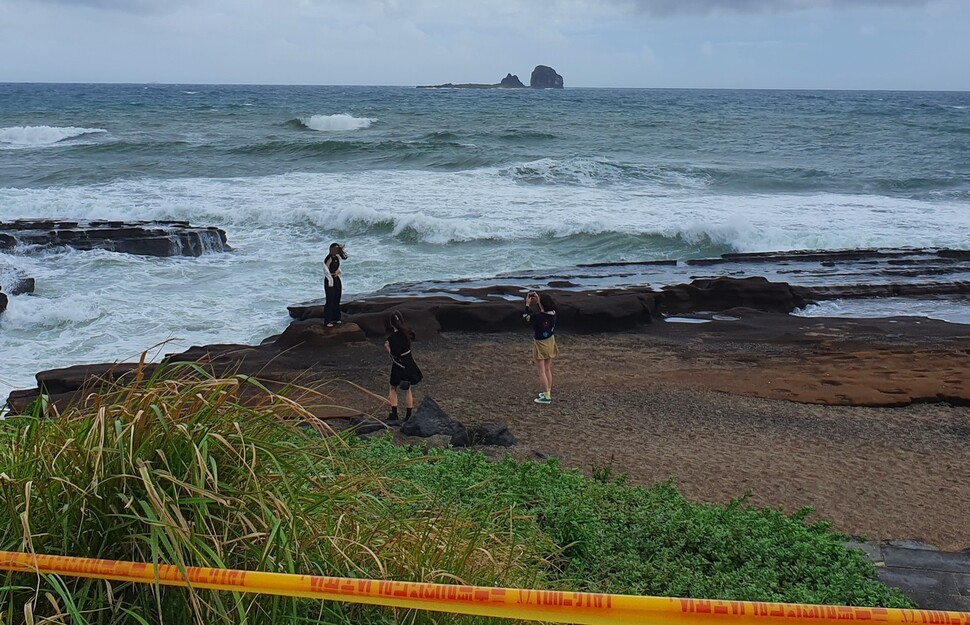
(40, 136)
(341, 122)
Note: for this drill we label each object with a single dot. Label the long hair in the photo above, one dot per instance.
(396, 322)
(338, 250)
(548, 304)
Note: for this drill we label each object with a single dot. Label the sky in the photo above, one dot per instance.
(773, 44)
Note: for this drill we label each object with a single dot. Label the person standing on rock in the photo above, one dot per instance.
(404, 371)
(540, 310)
(332, 286)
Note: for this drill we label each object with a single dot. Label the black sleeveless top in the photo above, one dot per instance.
(334, 262)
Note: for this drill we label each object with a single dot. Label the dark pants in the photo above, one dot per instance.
(331, 312)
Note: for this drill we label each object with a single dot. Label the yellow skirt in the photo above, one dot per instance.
(546, 349)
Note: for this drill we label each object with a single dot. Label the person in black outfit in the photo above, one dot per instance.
(332, 286)
(404, 371)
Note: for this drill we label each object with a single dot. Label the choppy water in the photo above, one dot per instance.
(430, 184)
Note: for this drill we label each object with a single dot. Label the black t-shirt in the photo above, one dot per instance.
(543, 324)
(334, 262)
(399, 343)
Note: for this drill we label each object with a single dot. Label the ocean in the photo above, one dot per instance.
(439, 184)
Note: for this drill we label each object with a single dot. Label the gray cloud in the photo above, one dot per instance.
(666, 8)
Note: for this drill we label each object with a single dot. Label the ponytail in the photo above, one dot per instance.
(397, 323)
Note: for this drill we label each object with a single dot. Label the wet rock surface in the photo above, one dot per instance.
(315, 333)
(621, 296)
(14, 281)
(815, 275)
(500, 309)
(934, 579)
(145, 238)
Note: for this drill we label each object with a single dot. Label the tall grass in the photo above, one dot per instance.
(186, 469)
(183, 468)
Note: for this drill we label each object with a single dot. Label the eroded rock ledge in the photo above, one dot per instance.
(144, 238)
(842, 350)
(499, 309)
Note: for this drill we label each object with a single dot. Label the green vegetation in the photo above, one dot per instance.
(193, 471)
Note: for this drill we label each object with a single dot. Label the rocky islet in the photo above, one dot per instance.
(543, 77)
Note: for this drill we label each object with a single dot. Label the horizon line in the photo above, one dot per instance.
(255, 84)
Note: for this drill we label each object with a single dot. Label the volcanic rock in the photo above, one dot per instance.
(315, 333)
(492, 434)
(491, 310)
(544, 77)
(430, 420)
(366, 426)
(144, 238)
(14, 281)
(722, 293)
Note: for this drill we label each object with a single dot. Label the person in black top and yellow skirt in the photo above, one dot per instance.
(404, 371)
(540, 310)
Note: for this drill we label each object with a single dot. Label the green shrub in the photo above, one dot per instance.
(620, 538)
(178, 469)
(188, 470)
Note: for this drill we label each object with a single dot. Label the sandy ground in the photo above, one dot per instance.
(645, 405)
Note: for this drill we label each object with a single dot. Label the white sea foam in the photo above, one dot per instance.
(40, 136)
(40, 314)
(336, 123)
(954, 310)
(453, 207)
(398, 226)
(587, 171)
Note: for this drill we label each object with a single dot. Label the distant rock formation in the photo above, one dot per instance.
(544, 77)
(145, 238)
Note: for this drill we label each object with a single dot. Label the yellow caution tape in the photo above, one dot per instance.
(552, 606)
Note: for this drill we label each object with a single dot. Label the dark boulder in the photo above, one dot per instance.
(605, 311)
(362, 426)
(144, 238)
(14, 281)
(315, 333)
(723, 293)
(78, 377)
(430, 420)
(492, 434)
(511, 82)
(544, 77)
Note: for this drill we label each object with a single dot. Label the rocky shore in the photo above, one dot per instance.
(146, 238)
(710, 382)
(143, 238)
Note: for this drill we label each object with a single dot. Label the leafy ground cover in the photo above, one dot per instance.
(184, 469)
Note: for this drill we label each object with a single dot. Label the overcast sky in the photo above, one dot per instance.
(820, 44)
